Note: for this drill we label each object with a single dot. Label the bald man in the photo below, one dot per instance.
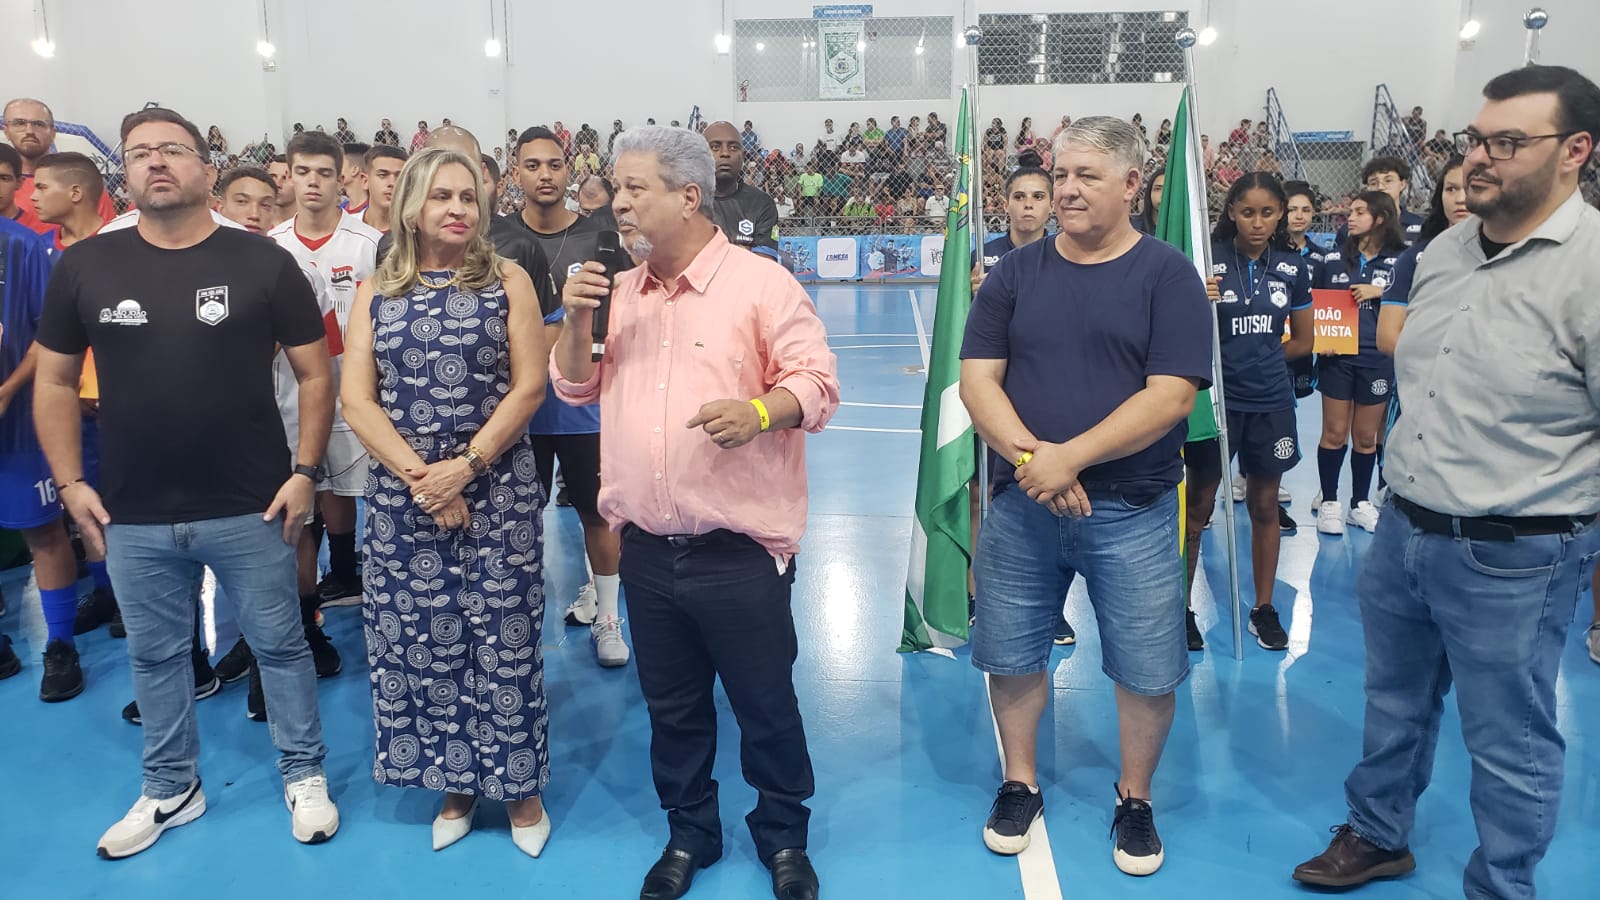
(744, 213)
(594, 201)
(30, 126)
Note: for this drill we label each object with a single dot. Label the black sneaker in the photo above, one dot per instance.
(561, 498)
(1286, 522)
(9, 663)
(1197, 641)
(255, 702)
(1064, 633)
(235, 664)
(972, 610)
(1012, 815)
(336, 590)
(1264, 625)
(95, 610)
(1135, 848)
(206, 685)
(118, 630)
(63, 677)
(323, 655)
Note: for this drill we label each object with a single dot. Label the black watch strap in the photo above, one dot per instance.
(312, 472)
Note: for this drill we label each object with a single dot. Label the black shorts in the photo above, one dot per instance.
(1341, 378)
(580, 467)
(1266, 443)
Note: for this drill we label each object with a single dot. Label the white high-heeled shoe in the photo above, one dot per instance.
(448, 831)
(531, 839)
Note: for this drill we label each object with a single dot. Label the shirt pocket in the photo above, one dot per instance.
(716, 366)
(1519, 358)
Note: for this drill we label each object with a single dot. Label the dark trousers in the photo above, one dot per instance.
(710, 606)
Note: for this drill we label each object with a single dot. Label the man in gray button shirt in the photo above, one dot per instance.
(1476, 568)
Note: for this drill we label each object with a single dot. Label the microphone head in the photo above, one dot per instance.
(610, 242)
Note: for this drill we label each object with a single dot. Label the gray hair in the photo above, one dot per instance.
(684, 157)
(1110, 135)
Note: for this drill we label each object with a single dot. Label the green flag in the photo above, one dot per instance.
(941, 537)
(1179, 223)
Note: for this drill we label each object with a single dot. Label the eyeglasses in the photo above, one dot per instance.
(1500, 146)
(171, 152)
(37, 124)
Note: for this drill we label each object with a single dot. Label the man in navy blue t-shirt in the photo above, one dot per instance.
(1080, 364)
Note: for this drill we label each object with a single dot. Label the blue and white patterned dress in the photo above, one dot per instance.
(453, 616)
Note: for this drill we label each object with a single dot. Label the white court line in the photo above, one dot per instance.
(881, 405)
(1038, 862)
(880, 346)
(879, 430)
(874, 334)
(922, 331)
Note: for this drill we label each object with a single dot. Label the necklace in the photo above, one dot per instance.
(436, 285)
(1251, 280)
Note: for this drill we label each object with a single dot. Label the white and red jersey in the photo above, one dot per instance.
(344, 259)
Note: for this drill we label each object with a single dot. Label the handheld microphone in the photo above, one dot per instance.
(610, 254)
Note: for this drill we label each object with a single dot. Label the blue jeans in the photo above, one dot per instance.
(1493, 616)
(1128, 555)
(156, 571)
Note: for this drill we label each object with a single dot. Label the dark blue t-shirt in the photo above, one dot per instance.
(1398, 293)
(1315, 256)
(1257, 297)
(1079, 340)
(1340, 272)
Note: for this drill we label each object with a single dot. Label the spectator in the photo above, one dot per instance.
(935, 133)
(585, 162)
(1208, 152)
(797, 156)
(874, 135)
(420, 139)
(386, 135)
(1025, 134)
(914, 136)
(217, 145)
(750, 140)
(587, 135)
(611, 142)
(1241, 135)
(1164, 133)
(564, 136)
(1066, 122)
(895, 138)
(857, 206)
(1416, 126)
(835, 189)
(1269, 163)
(780, 199)
(810, 192)
(828, 140)
(938, 205)
(343, 134)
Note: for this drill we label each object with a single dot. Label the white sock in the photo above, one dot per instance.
(588, 566)
(606, 588)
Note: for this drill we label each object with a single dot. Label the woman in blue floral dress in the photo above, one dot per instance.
(440, 379)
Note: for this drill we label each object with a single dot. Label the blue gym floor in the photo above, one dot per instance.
(903, 744)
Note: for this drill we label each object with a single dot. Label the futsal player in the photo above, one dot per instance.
(562, 432)
(344, 251)
(1355, 389)
(355, 187)
(1257, 285)
(380, 169)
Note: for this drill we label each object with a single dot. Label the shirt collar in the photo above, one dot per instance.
(1557, 228)
(701, 269)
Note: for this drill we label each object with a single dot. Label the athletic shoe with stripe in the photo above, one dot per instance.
(148, 820)
(314, 817)
(586, 608)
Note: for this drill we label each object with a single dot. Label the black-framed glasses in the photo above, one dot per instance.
(1500, 146)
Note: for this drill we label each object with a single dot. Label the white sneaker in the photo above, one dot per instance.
(1284, 498)
(584, 609)
(1364, 516)
(314, 816)
(148, 819)
(1594, 643)
(1238, 489)
(1330, 517)
(609, 647)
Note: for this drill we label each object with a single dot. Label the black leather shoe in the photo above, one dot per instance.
(792, 875)
(672, 874)
(1351, 861)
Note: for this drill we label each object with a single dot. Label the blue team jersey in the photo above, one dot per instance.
(1316, 256)
(24, 271)
(1398, 293)
(1410, 229)
(1339, 271)
(1257, 297)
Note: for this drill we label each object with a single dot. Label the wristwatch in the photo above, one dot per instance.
(312, 472)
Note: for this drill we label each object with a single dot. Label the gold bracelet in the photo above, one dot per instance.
(475, 460)
(761, 409)
(64, 486)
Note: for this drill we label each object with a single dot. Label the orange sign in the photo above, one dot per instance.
(89, 386)
(1338, 328)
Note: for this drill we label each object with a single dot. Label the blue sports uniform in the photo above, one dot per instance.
(27, 492)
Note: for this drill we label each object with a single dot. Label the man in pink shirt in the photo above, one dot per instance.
(715, 367)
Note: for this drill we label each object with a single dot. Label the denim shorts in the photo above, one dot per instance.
(1128, 555)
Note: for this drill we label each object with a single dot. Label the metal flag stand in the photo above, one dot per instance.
(1197, 199)
(1535, 19)
(972, 35)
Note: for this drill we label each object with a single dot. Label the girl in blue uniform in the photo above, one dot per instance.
(1258, 284)
(1355, 389)
(1298, 218)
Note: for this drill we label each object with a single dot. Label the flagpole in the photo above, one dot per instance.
(972, 35)
(1198, 197)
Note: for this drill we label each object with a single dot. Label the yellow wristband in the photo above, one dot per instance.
(1024, 459)
(761, 410)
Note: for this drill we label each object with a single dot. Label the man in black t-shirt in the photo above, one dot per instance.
(562, 432)
(184, 319)
(744, 213)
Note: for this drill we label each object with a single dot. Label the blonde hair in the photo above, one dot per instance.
(399, 272)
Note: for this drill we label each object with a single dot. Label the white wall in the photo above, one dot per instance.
(411, 59)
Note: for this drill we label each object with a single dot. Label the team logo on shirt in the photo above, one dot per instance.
(1289, 269)
(574, 269)
(211, 304)
(747, 227)
(1229, 296)
(1219, 268)
(1380, 280)
(1284, 448)
(343, 277)
(1380, 387)
(1280, 295)
(128, 312)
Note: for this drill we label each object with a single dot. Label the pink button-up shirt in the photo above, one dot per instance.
(734, 326)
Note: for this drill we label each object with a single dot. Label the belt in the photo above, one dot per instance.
(1487, 528)
(719, 537)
